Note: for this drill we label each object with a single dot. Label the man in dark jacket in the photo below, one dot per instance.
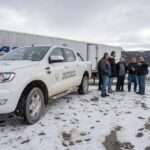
(105, 74)
(132, 74)
(113, 70)
(121, 73)
(142, 71)
(99, 75)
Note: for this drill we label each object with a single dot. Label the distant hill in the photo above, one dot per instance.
(129, 54)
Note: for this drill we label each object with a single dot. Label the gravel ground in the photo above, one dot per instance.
(84, 122)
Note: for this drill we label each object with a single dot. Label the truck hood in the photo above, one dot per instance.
(9, 66)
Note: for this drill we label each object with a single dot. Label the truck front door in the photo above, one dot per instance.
(57, 81)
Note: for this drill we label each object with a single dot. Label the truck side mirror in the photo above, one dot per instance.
(55, 59)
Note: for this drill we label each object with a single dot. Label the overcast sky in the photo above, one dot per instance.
(118, 22)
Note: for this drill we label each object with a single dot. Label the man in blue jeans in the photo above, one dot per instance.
(112, 62)
(132, 74)
(105, 74)
(142, 71)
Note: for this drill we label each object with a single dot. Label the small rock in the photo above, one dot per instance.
(94, 98)
(83, 133)
(71, 143)
(87, 140)
(26, 141)
(143, 105)
(127, 145)
(64, 144)
(92, 127)
(57, 118)
(68, 101)
(141, 129)
(98, 121)
(141, 117)
(66, 136)
(18, 138)
(140, 134)
(118, 128)
(41, 134)
(78, 141)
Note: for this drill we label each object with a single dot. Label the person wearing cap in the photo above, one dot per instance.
(121, 73)
(142, 71)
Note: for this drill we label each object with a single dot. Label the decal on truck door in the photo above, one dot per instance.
(68, 74)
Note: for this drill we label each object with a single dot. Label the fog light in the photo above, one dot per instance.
(3, 101)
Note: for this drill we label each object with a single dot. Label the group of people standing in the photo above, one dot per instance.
(108, 69)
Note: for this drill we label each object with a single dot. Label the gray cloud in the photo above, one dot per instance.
(117, 22)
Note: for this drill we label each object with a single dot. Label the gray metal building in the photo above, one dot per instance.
(90, 51)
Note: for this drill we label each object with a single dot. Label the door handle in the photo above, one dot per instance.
(48, 71)
(47, 68)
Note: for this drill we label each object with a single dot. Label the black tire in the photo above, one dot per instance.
(85, 82)
(28, 103)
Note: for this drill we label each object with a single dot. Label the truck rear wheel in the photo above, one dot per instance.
(84, 87)
(33, 105)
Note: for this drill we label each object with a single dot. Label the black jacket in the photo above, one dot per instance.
(132, 68)
(142, 69)
(104, 67)
(118, 67)
(99, 66)
(113, 67)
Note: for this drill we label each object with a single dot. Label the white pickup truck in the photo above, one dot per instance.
(30, 75)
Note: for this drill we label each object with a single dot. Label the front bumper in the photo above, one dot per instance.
(8, 100)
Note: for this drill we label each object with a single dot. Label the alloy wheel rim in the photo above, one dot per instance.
(35, 103)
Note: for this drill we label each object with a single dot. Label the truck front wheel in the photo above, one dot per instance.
(33, 105)
(84, 86)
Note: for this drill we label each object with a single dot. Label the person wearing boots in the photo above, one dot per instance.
(99, 75)
(105, 68)
(132, 74)
(113, 70)
(142, 71)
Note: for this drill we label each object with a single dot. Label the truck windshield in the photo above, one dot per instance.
(26, 53)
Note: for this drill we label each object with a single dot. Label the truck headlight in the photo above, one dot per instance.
(6, 76)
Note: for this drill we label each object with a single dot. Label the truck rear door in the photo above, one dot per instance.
(71, 74)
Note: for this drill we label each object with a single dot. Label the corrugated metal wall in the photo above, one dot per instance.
(14, 39)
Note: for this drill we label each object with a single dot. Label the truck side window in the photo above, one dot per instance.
(69, 55)
(57, 52)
